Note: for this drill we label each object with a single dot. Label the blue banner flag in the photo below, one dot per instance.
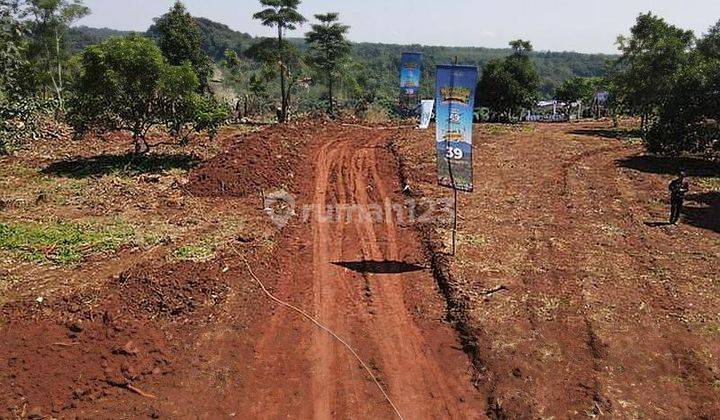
(455, 99)
(410, 70)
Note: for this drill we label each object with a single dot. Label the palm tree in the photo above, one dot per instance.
(282, 14)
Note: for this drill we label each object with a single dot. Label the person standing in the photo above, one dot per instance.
(678, 188)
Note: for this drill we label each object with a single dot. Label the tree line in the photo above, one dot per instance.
(167, 77)
(665, 75)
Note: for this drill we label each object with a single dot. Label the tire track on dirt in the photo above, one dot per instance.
(392, 303)
(413, 354)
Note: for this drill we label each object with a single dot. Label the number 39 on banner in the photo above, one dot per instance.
(454, 153)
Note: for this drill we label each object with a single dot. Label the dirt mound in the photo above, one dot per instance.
(170, 292)
(264, 160)
(66, 353)
(53, 367)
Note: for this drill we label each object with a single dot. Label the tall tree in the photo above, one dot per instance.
(179, 41)
(521, 46)
(51, 21)
(651, 57)
(510, 84)
(329, 50)
(268, 55)
(282, 14)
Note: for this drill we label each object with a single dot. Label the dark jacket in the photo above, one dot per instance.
(678, 188)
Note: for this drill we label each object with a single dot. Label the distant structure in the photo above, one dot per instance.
(599, 107)
(549, 111)
(557, 111)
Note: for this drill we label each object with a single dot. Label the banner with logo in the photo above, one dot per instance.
(410, 71)
(426, 113)
(455, 98)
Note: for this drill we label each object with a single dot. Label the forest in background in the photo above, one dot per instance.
(380, 59)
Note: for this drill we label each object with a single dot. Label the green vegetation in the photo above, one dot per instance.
(579, 88)
(281, 14)
(50, 20)
(672, 82)
(20, 107)
(329, 51)
(509, 85)
(196, 252)
(178, 37)
(183, 74)
(375, 66)
(60, 242)
(126, 84)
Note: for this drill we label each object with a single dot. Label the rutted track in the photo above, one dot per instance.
(392, 319)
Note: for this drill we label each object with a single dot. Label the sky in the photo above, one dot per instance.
(561, 25)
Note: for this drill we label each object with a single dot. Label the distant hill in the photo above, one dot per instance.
(383, 59)
(217, 38)
(80, 37)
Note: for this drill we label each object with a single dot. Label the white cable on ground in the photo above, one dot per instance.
(322, 327)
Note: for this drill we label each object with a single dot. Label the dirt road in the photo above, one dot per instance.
(365, 280)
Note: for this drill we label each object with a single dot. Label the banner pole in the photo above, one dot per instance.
(455, 191)
(455, 219)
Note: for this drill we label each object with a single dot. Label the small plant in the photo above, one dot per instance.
(196, 252)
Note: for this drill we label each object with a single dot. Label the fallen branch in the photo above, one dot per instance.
(139, 392)
(489, 292)
(65, 344)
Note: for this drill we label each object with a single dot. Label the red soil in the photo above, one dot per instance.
(202, 340)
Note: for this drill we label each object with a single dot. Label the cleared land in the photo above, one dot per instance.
(125, 290)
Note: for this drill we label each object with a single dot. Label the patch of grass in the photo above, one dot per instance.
(62, 242)
(196, 252)
(710, 183)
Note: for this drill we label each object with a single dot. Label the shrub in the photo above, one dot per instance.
(126, 84)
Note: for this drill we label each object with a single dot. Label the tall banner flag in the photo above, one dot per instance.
(426, 113)
(455, 97)
(410, 71)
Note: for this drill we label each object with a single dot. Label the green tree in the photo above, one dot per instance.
(12, 54)
(126, 84)
(282, 14)
(521, 47)
(179, 41)
(709, 44)
(231, 61)
(268, 55)
(329, 50)
(510, 84)
(258, 89)
(12, 61)
(51, 20)
(651, 57)
(687, 118)
(574, 89)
